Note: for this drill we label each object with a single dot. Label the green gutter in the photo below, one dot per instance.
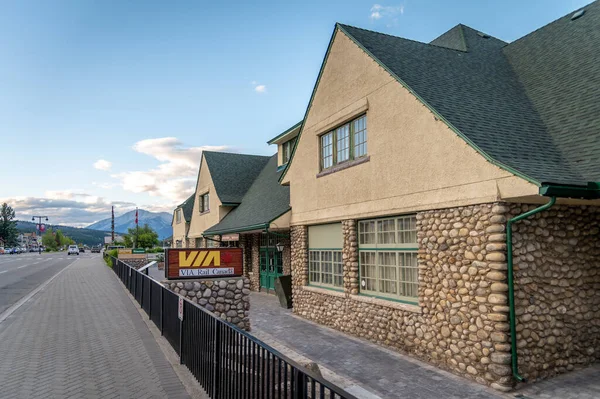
(511, 288)
(284, 133)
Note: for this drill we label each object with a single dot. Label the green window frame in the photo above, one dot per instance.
(286, 150)
(344, 143)
(204, 203)
(326, 268)
(388, 261)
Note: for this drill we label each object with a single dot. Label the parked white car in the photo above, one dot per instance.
(73, 250)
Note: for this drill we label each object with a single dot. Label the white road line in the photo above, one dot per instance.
(20, 267)
(23, 300)
(3, 271)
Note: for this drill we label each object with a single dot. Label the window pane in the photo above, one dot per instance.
(407, 230)
(327, 150)
(386, 231)
(314, 267)
(338, 269)
(343, 143)
(387, 273)
(368, 271)
(409, 275)
(366, 232)
(360, 136)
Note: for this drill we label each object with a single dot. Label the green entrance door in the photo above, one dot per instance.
(271, 267)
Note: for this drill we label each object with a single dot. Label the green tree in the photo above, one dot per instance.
(8, 226)
(145, 237)
(49, 240)
(59, 238)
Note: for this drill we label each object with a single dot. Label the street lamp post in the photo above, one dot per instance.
(40, 228)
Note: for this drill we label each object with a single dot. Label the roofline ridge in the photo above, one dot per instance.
(398, 37)
(236, 153)
(550, 23)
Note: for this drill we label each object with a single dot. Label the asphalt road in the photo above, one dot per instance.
(21, 274)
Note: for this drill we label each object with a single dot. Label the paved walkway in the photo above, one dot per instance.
(82, 337)
(366, 370)
(370, 371)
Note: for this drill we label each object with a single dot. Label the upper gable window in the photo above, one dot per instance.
(204, 203)
(344, 143)
(286, 150)
(178, 216)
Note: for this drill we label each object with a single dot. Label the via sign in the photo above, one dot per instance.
(195, 263)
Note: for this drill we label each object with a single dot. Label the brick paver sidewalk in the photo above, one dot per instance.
(82, 337)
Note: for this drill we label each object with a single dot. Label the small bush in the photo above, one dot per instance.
(108, 255)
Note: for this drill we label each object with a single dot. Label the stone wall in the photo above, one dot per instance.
(228, 299)
(556, 257)
(460, 322)
(135, 263)
(299, 262)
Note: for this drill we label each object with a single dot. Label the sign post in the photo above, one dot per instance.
(180, 309)
(180, 315)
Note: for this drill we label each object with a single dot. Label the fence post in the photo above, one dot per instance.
(217, 371)
(142, 288)
(300, 384)
(162, 309)
(181, 335)
(150, 302)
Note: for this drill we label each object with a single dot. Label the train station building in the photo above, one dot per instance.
(441, 199)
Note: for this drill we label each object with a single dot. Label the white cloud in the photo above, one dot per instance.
(378, 11)
(175, 178)
(67, 207)
(102, 164)
(259, 88)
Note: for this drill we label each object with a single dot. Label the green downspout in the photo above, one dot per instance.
(511, 288)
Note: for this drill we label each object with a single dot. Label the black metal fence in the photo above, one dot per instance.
(226, 361)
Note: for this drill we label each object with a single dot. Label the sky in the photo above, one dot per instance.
(112, 102)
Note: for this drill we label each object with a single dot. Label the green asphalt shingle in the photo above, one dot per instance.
(187, 207)
(531, 105)
(233, 174)
(265, 200)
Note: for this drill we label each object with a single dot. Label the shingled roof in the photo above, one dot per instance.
(264, 202)
(233, 174)
(530, 106)
(187, 207)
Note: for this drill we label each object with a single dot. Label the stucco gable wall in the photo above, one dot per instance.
(201, 222)
(416, 162)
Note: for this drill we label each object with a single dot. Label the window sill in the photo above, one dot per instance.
(388, 303)
(343, 166)
(205, 212)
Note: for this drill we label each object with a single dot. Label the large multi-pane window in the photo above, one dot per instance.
(325, 268)
(204, 203)
(344, 143)
(286, 150)
(388, 257)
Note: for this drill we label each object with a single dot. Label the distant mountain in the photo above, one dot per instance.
(80, 236)
(158, 221)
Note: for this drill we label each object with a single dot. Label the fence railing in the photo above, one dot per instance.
(226, 361)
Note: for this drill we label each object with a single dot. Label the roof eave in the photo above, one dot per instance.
(283, 136)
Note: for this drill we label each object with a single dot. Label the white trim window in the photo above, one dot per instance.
(388, 257)
(178, 216)
(325, 268)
